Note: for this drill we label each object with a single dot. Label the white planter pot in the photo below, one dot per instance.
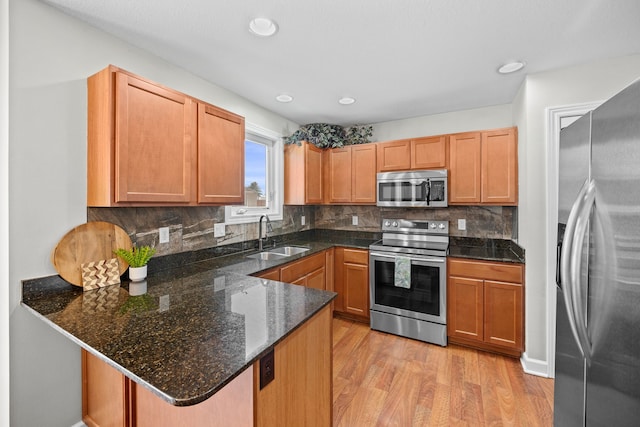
(137, 274)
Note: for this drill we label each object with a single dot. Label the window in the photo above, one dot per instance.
(263, 177)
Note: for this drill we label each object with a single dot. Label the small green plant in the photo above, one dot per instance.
(136, 257)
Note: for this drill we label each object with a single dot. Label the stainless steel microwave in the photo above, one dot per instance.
(423, 188)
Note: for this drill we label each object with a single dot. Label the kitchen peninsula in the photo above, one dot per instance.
(192, 346)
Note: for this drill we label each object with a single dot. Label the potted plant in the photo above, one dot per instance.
(137, 258)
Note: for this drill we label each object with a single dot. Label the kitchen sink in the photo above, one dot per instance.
(289, 250)
(265, 256)
(278, 253)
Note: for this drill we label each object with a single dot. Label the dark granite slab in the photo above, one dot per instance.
(192, 332)
(204, 320)
(486, 249)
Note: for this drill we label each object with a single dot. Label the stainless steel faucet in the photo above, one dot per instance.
(267, 231)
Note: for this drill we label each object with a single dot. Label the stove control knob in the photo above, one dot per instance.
(395, 224)
(387, 223)
(432, 225)
(441, 226)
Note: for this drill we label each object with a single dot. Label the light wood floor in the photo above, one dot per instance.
(385, 380)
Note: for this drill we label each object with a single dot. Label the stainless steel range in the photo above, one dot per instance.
(408, 273)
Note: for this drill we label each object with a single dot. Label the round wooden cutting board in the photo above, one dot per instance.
(88, 242)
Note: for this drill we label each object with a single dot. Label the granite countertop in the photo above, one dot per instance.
(486, 249)
(204, 319)
(198, 326)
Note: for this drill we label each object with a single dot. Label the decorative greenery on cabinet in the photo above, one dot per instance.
(324, 135)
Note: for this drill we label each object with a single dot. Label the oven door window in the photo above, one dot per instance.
(423, 296)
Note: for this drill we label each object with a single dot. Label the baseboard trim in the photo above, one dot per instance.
(79, 424)
(534, 366)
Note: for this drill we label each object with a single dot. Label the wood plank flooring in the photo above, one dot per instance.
(384, 380)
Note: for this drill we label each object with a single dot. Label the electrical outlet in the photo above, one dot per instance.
(164, 234)
(219, 230)
(354, 220)
(462, 224)
(303, 220)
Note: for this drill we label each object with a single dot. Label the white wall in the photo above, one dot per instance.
(498, 116)
(4, 213)
(51, 55)
(576, 85)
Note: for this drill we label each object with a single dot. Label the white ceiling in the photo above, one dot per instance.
(398, 58)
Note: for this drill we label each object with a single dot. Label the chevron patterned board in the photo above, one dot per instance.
(98, 274)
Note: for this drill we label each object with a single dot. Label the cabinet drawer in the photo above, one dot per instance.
(297, 269)
(486, 270)
(356, 256)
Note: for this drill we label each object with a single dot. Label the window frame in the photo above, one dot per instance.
(235, 214)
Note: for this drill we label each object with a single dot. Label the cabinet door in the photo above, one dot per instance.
(106, 396)
(313, 174)
(339, 170)
(316, 279)
(465, 308)
(352, 282)
(363, 173)
(294, 271)
(464, 168)
(394, 155)
(500, 167)
(429, 153)
(220, 156)
(503, 314)
(155, 143)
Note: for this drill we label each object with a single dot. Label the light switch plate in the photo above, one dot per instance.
(354, 220)
(164, 234)
(219, 230)
(462, 224)
(303, 220)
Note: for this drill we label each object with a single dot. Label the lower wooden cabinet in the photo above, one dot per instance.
(485, 306)
(308, 271)
(351, 282)
(301, 393)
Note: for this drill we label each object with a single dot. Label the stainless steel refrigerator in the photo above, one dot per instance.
(597, 378)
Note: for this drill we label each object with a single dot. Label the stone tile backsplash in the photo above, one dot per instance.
(495, 222)
(191, 228)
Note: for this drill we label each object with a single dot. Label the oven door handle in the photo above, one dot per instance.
(417, 258)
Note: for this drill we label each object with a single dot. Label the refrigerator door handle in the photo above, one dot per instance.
(586, 202)
(565, 264)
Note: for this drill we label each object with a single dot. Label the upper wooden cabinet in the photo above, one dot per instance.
(418, 153)
(484, 167)
(350, 174)
(429, 152)
(303, 174)
(394, 155)
(220, 156)
(151, 145)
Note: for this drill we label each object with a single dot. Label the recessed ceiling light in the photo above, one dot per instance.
(511, 67)
(346, 100)
(284, 98)
(263, 27)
